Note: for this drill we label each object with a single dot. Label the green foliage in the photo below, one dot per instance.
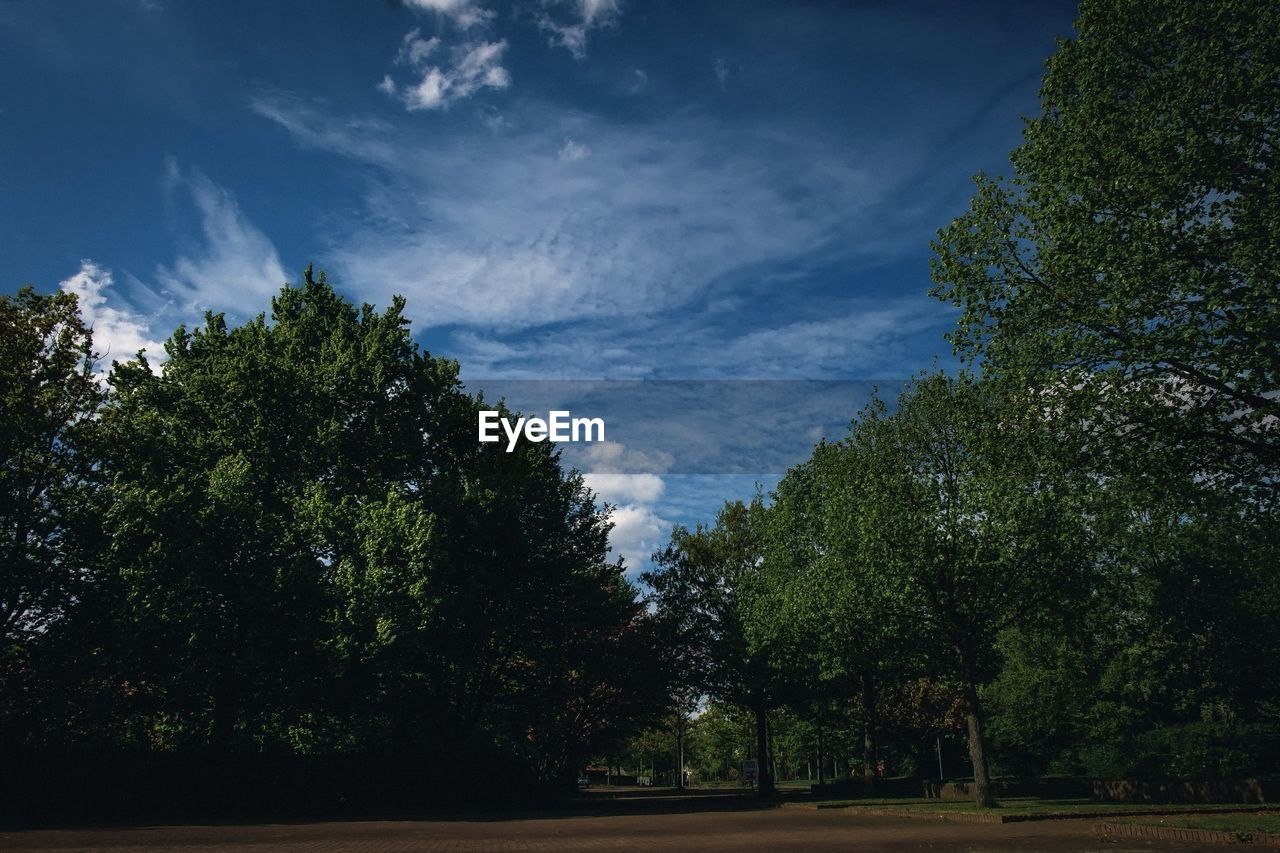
(299, 546)
(1136, 239)
(48, 395)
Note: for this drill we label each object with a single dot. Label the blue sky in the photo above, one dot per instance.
(561, 188)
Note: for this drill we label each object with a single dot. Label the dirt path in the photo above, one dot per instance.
(778, 829)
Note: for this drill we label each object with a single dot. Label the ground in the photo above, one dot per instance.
(658, 827)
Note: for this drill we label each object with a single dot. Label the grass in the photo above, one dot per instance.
(1237, 823)
(1035, 806)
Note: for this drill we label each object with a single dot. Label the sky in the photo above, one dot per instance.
(562, 189)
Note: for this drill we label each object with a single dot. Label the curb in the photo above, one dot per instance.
(990, 817)
(1111, 831)
(955, 817)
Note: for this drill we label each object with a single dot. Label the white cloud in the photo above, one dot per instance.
(611, 457)
(474, 66)
(646, 248)
(627, 480)
(596, 11)
(625, 488)
(640, 226)
(569, 22)
(463, 13)
(236, 268)
(414, 49)
(118, 334)
(637, 532)
(869, 339)
(571, 151)
(361, 138)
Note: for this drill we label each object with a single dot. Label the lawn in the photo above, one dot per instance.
(1032, 806)
(1238, 823)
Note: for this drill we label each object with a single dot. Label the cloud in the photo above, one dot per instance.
(637, 532)
(360, 138)
(868, 339)
(235, 266)
(571, 151)
(635, 82)
(642, 225)
(414, 49)
(569, 22)
(678, 248)
(118, 334)
(611, 457)
(464, 14)
(625, 488)
(628, 480)
(473, 66)
(722, 70)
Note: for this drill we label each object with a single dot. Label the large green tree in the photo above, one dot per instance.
(49, 395)
(298, 546)
(1132, 257)
(971, 521)
(819, 604)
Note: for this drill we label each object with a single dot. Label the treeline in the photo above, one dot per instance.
(286, 541)
(1076, 535)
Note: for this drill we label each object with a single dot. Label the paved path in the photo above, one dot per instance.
(738, 831)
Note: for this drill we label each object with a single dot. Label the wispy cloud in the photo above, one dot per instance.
(571, 151)
(556, 263)
(722, 69)
(471, 66)
(235, 264)
(118, 333)
(867, 339)
(642, 225)
(635, 82)
(569, 22)
(360, 138)
(461, 13)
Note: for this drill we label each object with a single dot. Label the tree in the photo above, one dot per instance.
(48, 397)
(1132, 258)
(818, 604)
(698, 586)
(971, 522)
(306, 496)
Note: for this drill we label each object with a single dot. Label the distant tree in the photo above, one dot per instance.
(698, 585)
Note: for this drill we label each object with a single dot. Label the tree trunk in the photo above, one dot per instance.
(870, 761)
(679, 760)
(977, 739)
(764, 774)
(822, 758)
(773, 753)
